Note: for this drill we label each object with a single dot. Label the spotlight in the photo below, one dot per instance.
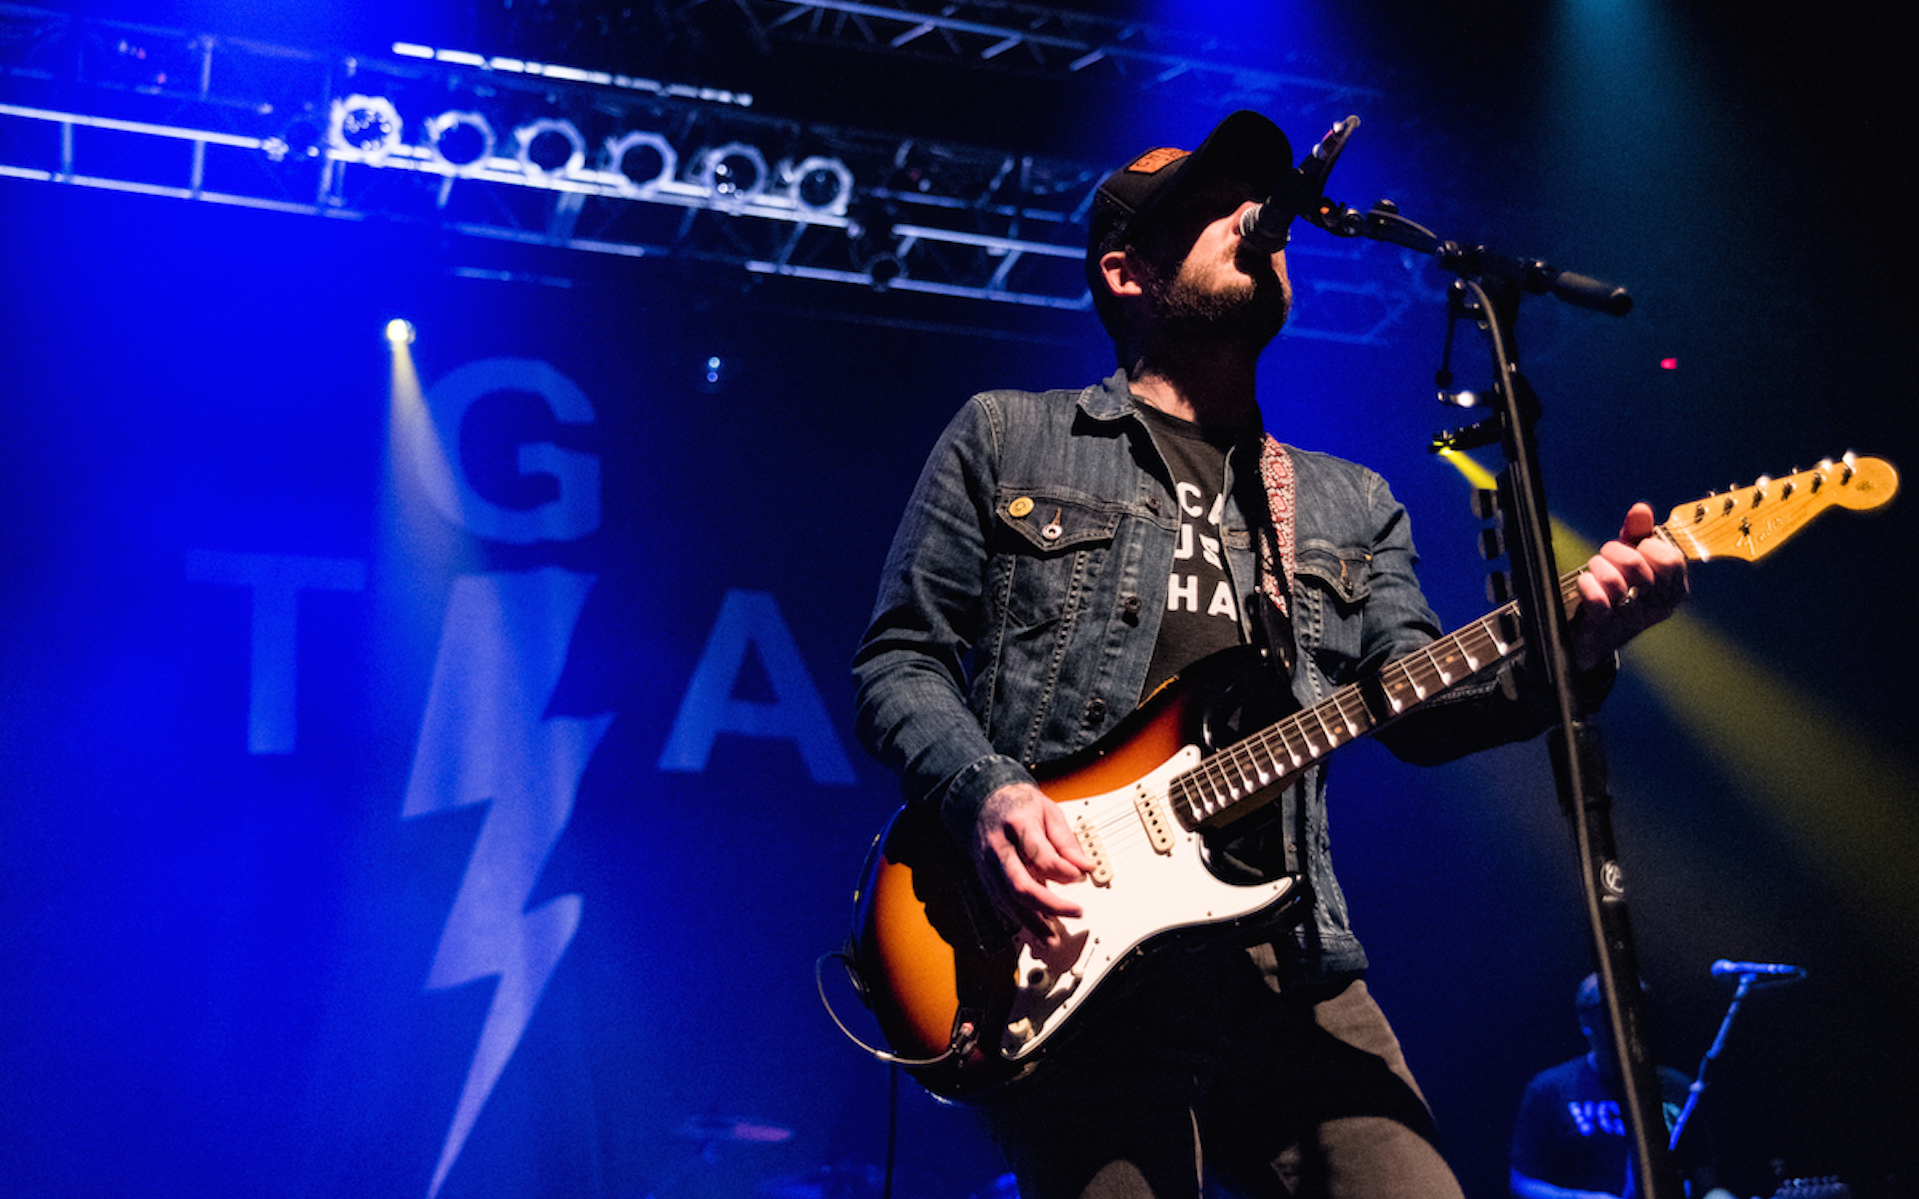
(734, 174)
(399, 332)
(643, 161)
(365, 125)
(462, 140)
(882, 269)
(550, 148)
(875, 248)
(304, 137)
(821, 186)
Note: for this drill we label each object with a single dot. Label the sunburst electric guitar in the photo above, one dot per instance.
(969, 1004)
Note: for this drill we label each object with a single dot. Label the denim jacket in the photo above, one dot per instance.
(1020, 603)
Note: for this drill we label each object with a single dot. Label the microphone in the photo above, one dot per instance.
(1782, 972)
(1268, 227)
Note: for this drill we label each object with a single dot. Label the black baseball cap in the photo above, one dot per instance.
(1245, 146)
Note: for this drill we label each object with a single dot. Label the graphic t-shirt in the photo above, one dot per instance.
(1570, 1131)
(1202, 610)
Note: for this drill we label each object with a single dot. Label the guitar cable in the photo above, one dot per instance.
(963, 1034)
(893, 1061)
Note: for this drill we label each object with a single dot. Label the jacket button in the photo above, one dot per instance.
(1129, 609)
(1095, 712)
(1020, 507)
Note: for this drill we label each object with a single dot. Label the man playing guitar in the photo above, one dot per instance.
(1066, 552)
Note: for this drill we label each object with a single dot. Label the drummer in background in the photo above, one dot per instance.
(1569, 1141)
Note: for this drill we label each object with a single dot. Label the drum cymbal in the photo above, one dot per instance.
(827, 1182)
(732, 1129)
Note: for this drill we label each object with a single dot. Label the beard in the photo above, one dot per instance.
(1252, 305)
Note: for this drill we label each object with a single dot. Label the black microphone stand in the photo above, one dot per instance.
(1698, 1087)
(1489, 290)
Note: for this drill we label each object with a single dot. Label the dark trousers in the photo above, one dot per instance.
(1199, 1068)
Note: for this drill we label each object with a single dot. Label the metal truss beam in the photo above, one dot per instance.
(165, 113)
(1044, 41)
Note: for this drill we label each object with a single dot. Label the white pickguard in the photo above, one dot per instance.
(1152, 878)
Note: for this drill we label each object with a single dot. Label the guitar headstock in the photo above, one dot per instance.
(1750, 522)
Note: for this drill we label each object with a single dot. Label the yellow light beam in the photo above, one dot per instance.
(1840, 797)
(1849, 803)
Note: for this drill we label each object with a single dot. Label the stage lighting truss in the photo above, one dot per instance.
(1035, 40)
(595, 165)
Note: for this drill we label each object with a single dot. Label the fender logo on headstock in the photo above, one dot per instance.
(1752, 521)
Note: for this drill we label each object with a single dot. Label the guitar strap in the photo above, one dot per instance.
(1276, 555)
(1276, 542)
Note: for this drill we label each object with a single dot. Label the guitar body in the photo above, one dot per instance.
(968, 1001)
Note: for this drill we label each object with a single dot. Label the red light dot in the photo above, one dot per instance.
(1669, 364)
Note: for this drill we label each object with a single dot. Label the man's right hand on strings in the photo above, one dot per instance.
(1021, 843)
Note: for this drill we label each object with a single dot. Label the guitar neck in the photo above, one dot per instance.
(1245, 775)
(1747, 523)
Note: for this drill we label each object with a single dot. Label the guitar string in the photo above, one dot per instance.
(1273, 756)
(1276, 755)
(1234, 774)
(1247, 769)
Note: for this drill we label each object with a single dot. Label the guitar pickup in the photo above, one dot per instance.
(1152, 814)
(1095, 847)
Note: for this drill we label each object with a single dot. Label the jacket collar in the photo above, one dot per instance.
(1109, 399)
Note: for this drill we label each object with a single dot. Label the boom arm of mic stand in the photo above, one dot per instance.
(1385, 224)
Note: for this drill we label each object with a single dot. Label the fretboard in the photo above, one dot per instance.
(1249, 773)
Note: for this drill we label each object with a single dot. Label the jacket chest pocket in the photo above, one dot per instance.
(1050, 546)
(1331, 586)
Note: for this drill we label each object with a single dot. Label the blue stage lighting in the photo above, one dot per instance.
(368, 126)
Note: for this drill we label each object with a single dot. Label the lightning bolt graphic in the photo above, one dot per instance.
(483, 739)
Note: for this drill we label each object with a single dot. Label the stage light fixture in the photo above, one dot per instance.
(304, 137)
(734, 174)
(463, 141)
(882, 269)
(642, 161)
(550, 148)
(821, 186)
(368, 126)
(875, 247)
(399, 332)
